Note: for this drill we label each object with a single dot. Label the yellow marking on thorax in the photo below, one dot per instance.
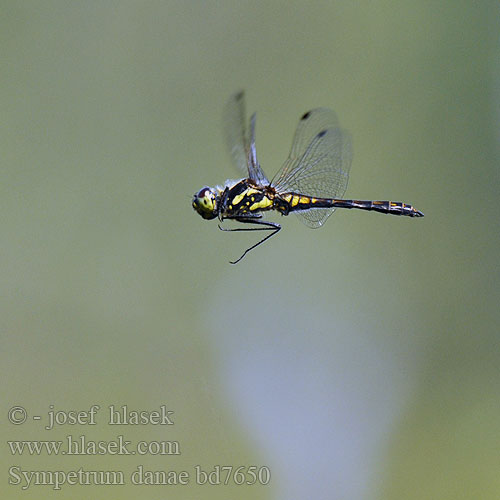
(259, 205)
(295, 200)
(287, 197)
(248, 192)
(236, 200)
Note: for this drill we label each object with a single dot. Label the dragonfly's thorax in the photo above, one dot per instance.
(246, 197)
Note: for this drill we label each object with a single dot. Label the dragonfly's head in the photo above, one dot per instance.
(206, 202)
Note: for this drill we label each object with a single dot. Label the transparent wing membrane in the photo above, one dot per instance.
(241, 147)
(310, 124)
(234, 130)
(254, 170)
(318, 164)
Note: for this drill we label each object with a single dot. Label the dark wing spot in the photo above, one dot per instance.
(239, 95)
(322, 133)
(305, 116)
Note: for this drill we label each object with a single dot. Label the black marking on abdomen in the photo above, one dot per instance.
(300, 202)
(384, 207)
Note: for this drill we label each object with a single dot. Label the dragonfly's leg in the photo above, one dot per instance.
(246, 219)
(266, 226)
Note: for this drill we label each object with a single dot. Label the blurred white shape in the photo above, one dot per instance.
(315, 387)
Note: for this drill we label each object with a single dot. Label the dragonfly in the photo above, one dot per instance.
(311, 183)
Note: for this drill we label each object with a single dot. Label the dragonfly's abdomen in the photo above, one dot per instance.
(384, 207)
(297, 202)
(292, 202)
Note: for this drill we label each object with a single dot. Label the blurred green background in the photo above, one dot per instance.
(360, 361)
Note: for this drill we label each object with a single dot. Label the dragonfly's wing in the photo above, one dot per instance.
(255, 172)
(318, 164)
(242, 147)
(234, 122)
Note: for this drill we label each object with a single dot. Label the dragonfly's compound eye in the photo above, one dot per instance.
(205, 203)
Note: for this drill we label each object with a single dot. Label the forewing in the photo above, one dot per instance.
(310, 124)
(234, 122)
(318, 164)
(255, 172)
(240, 145)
